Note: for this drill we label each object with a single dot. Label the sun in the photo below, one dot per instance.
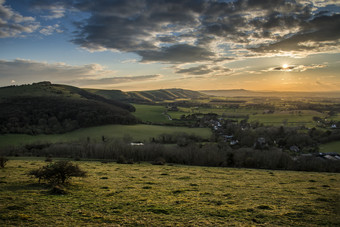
(285, 66)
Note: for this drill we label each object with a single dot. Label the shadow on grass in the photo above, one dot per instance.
(26, 186)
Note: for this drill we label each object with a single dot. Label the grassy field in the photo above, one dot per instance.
(330, 147)
(143, 194)
(137, 132)
(151, 113)
(304, 118)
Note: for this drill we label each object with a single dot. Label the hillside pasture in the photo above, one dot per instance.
(151, 113)
(143, 194)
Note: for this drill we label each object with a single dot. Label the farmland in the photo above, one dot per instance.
(144, 194)
(266, 111)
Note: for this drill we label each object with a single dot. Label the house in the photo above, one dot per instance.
(233, 142)
(333, 126)
(137, 144)
(294, 149)
(261, 140)
(227, 138)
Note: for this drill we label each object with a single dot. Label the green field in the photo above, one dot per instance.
(330, 147)
(146, 195)
(291, 119)
(151, 113)
(137, 132)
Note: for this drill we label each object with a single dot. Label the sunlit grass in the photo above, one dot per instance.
(143, 194)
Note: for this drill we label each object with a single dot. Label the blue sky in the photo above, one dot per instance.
(282, 45)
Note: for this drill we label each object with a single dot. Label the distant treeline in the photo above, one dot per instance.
(50, 115)
(191, 153)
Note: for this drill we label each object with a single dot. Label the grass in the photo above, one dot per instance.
(305, 118)
(143, 194)
(330, 147)
(151, 113)
(138, 132)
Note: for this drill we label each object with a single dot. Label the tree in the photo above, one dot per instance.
(58, 172)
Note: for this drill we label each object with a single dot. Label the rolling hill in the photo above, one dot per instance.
(52, 108)
(249, 93)
(152, 96)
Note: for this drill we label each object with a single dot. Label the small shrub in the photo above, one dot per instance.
(159, 161)
(58, 173)
(3, 161)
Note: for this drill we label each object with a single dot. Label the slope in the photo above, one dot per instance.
(51, 108)
(152, 96)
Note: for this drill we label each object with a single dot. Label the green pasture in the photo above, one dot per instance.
(147, 195)
(137, 132)
(151, 113)
(330, 147)
(290, 118)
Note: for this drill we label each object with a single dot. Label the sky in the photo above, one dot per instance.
(275, 45)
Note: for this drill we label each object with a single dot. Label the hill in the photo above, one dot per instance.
(52, 108)
(249, 93)
(148, 96)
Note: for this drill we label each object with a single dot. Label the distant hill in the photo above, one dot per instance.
(249, 93)
(53, 108)
(148, 96)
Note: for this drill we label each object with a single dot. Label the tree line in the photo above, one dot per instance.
(202, 154)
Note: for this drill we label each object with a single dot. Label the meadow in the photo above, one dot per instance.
(137, 132)
(169, 195)
(330, 147)
(151, 113)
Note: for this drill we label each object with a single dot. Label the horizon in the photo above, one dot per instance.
(273, 46)
(178, 88)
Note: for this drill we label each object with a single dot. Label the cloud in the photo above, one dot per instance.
(296, 68)
(50, 29)
(115, 80)
(55, 12)
(27, 71)
(203, 70)
(181, 53)
(13, 24)
(155, 29)
(207, 31)
(320, 33)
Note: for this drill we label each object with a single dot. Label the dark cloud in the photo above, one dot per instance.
(177, 31)
(181, 53)
(203, 69)
(198, 70)
(318, 33)
(296, 68)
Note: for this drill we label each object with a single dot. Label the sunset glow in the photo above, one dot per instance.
(197, 45)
